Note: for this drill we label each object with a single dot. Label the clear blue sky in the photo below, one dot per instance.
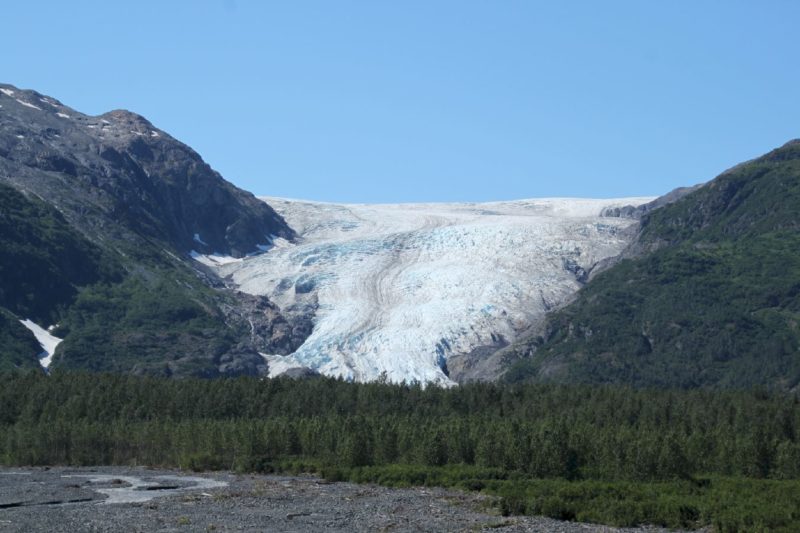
(430, 100)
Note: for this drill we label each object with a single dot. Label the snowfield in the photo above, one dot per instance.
(403, 288)
(47, 341)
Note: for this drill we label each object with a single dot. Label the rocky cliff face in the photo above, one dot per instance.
(120, 167)
(638, 211)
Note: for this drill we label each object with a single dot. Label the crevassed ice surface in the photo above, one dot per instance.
(402, 287)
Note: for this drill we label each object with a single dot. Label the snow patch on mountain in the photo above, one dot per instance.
(401, 288)
(47, 341)
(213, 260)
(27, 104)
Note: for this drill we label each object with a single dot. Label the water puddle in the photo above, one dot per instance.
(134, 489)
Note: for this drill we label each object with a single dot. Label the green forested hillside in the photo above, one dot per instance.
(18, 346)
(42, 265)
(163, 322)
(43, 259)
(713, 299)
(126, 309)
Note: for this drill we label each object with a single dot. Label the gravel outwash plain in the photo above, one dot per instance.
(79, 499)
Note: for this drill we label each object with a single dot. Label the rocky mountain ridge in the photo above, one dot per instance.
(119, 166)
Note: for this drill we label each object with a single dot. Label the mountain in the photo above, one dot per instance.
(124, 251)
(99, 217)
(119, 167)
(426, 292)
(708, 294)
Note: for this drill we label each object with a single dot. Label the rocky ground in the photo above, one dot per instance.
(139, 499)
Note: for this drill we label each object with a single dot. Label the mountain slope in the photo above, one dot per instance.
(98, 216)
(119, 166)
(18, 347)
(426, 292)
(43, 258)
(709, 296)
(42, 264)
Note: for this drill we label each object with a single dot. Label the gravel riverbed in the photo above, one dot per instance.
(139, 499)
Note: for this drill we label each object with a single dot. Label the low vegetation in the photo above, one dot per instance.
(613, 455)
(43, 258)
(163, 322)
(131, 307)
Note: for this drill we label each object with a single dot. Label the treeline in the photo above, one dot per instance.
(535, 431)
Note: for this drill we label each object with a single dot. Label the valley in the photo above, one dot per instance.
(124, 244)
(515, 266)
(423, 292)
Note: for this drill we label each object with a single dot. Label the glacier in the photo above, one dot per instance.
(400, 289)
